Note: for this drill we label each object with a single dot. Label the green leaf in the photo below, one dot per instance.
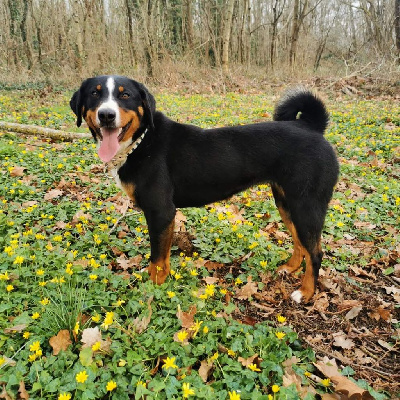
(86, 356)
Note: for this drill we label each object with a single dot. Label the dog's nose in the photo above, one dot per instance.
(107, 115)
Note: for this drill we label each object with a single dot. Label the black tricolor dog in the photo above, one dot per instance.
(163, 165)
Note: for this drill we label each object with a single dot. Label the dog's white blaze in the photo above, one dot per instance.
(111, 103)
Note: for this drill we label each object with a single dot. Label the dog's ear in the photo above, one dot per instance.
(76, 106)
(149, 104)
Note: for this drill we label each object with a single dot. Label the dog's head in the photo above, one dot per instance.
(116, 109)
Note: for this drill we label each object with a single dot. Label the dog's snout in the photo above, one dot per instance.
(107, 115)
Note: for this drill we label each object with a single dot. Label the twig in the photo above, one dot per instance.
(34, 130)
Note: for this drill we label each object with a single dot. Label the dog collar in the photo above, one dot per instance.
(120, 158)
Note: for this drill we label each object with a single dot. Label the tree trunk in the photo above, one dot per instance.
(226, 35)
(78, 37)
(25, 42)
(397, 27)
(188, 24)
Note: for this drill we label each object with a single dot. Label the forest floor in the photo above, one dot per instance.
(77, 233)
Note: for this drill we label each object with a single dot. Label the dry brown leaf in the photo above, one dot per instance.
(381, 312)
(60, 342)
(346, 304)
(180, 220)
(126, 263)
(205, 370)
(328, 367)
(16, 328)
(211, 280)
(353, 313)
(186, 318)
(212, 265)
(250, 360)
(79, 216)
(246, 291)
(4, 395)
(17, 171)
(23, 394)
(330, 396)
(141, 324)
(340, 340)
(321, 302)
(346, 387)
(53, 194)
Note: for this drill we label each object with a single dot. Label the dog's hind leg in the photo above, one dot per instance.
(308, 218)
(294, 263)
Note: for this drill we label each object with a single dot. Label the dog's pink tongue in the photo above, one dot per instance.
(109, 145)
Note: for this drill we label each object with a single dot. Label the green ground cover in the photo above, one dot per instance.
(71, 255)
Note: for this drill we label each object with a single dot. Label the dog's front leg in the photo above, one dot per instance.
(161, 229)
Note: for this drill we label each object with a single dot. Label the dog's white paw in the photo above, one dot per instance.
(297, 296)
(283, 271)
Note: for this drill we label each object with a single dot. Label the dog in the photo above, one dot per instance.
(163, 165)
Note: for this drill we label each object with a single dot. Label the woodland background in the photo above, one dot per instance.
(170, 41)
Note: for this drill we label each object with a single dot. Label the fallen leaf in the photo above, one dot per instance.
(348, 388)
(212, 265)
(340, 340)
(205, 370)
(60, 342)
(346, 304)
(16, 328)
(328, 367)
(386, 345)
(53, 194)
(321, 302)
(126, 263)
(180, 220)
(353, 313)
(141, 324)
(246, 291)
(23, 394)
(4, 395)
(381, 312)
(86, 356)
(186, 318)
(90, 336)
(17, 171)
(250, 360)
(211, 280)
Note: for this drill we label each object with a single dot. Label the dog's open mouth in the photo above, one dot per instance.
(109, 144)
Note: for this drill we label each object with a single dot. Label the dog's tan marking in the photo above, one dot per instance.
(140, 111)
(294, 263)
(121, 89)
(90, 119)
(308, 284)
(129, 189)
(126, 117)
(159, 269)
(98, 87)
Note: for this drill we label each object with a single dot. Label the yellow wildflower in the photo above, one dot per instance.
(64, 396)
(234, 396)
(186, 390)
(275, 388)
(81, 377)
(254, 367)
(111, 385)
(170, 363)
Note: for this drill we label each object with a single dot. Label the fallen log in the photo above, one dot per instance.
(34, 130)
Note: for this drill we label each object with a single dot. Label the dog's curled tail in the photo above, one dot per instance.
(299, 100)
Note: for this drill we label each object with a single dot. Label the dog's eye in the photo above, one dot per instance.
(124, 96)
(95, 93)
